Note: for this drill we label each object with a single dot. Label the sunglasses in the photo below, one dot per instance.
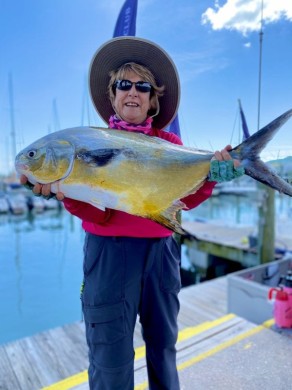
(126, 85)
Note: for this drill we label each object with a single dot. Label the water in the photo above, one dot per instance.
(231, 209)
(41, 261)
(240, 210)
(40, 273)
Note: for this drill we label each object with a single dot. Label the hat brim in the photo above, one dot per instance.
(118, 51)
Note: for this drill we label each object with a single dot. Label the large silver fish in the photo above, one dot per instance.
(141, 175)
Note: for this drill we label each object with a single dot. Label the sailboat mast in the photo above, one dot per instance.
(260, 66)
(56, 116)
(85, 105)
(12, 121)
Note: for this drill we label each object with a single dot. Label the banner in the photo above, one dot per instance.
(174, 127)
(126, 22)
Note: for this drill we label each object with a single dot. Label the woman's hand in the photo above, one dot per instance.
(225, 156)
(41, 189)
(223, 167)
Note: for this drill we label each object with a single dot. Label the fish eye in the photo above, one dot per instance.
(31, 153)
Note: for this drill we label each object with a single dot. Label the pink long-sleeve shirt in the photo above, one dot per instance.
(118, 223)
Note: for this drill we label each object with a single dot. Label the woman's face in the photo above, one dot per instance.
(132, 106)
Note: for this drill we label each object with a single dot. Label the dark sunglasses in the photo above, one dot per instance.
(126, 85)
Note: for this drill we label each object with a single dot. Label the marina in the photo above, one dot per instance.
(41, 251)
(228, 334)
(41, 332)
(41, 273)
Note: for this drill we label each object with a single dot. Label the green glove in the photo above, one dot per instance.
(221, 171)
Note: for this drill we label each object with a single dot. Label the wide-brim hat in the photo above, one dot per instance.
(118, 51)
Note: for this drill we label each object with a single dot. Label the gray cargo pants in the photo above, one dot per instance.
(124, 277)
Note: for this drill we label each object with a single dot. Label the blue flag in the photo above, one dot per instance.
(126, 23)
(174, 127)
(245, 130)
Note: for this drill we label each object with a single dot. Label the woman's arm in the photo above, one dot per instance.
(86, 211)
(203, 193)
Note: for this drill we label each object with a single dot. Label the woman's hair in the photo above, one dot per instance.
(146, 75)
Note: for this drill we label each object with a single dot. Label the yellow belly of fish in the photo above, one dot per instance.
(140, 190)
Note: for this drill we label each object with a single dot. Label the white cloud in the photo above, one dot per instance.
(245, 15)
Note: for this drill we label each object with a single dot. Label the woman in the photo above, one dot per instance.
(131, 264)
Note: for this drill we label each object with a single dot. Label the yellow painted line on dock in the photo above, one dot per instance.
(184, 334)
(69, 382)
(187, 333)
(225, 345)
(193, 331)
(213, 351)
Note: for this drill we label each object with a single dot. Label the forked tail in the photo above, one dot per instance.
(249, 150)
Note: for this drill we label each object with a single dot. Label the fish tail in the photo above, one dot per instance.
(248, 153)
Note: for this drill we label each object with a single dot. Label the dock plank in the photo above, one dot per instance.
(234, 236)
(8, 379)
(229, 242)
(25, 373)
(58, 350)
(36, 358)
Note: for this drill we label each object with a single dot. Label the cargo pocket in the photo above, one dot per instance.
(170, 280)
(105, 324)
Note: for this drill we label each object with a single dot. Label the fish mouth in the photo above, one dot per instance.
(22, 167)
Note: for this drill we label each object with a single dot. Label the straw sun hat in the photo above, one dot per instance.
(118, 51)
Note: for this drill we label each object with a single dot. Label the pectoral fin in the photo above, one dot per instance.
(95, 203)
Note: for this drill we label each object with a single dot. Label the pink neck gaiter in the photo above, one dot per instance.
(120, 124)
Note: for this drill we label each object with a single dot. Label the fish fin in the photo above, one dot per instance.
(248, 153)
(265, 174)
(98, 157)
(95, 203)
(253, 145)
(169, 218)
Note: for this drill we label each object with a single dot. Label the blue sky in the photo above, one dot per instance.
(46, 47)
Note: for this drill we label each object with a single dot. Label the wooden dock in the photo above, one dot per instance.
(216, 350)
(229, 242)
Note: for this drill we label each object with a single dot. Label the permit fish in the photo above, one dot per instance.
(141, 175)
